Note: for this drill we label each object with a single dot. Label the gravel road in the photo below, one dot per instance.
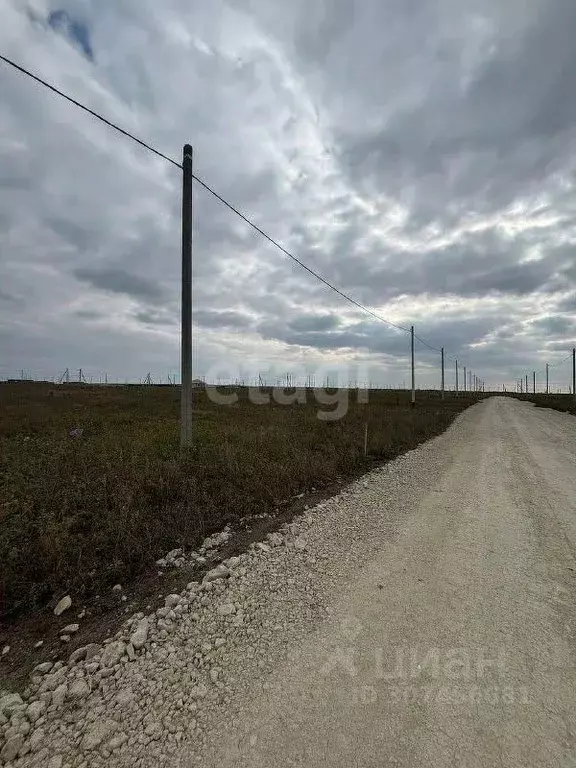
(423, 617)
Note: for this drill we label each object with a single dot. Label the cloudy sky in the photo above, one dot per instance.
(420, 155)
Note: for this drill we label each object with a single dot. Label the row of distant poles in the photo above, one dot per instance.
(471, 384)
(522, 384)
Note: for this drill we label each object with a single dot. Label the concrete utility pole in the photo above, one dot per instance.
(574, 372)
(186, 331)
(456, 378)
(526, 383)
(534, 381)
(442, 355)
(464, 387)
(546, 378)
(412, 356)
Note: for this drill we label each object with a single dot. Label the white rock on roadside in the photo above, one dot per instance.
(276, 539)
(10, 703)
(78, 690)
(63, 605)
(59, 695)
(11, 749)
(220, 572)
(171, 601)
(112, 653)
(44, 668)
(71, 629)
(35, 710)
(85, 652)
(139, 637)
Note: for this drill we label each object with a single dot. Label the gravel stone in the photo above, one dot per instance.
(71, 629)
(10, 702)
(35, 710)
(112, 653)
(139, 637)
(11, 749)
(63, 605)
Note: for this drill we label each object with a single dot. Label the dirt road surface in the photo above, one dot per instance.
(454, 644)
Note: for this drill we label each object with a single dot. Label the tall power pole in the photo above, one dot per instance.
(442, 356)
(186, 351)
(456, 378)
(464, 387)
(412, 356)
(546, 378)
(534, 381)
(574, 373)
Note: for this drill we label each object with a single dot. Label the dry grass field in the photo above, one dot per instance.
(79, 513)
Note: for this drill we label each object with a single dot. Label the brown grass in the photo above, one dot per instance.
(558, 402)
(79, 513)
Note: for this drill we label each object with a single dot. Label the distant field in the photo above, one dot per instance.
(78, 513)
(557, 402)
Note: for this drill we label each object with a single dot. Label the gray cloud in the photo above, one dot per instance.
(119, 281)
(230, 319)
(421, 158)
(316, 322)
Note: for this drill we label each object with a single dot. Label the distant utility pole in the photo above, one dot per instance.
(464, 385)
(534, 381)
(456, 378)
(186, 331)
(442, 355)
(546, 378)
(412, 357)
(526, 383)
(574, 372)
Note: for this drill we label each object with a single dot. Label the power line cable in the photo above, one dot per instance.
(202, 183)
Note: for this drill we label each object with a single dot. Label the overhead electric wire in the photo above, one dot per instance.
(207, 187)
